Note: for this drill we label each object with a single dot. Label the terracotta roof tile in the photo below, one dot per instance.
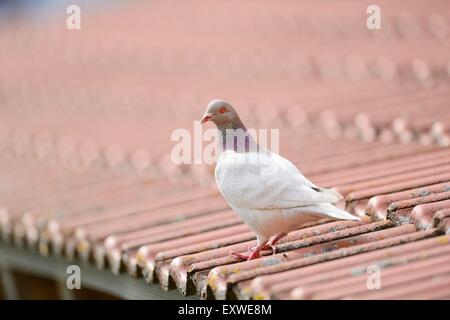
(89, 176)
(281, 285)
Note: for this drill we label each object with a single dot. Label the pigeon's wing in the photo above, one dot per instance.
(267, 181)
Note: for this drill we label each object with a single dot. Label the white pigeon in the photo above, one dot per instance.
(266, 190)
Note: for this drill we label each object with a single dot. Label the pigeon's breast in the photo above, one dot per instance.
(239, 180)
(228, 176)
(227, 172)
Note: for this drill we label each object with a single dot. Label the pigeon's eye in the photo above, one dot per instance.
(222, 109)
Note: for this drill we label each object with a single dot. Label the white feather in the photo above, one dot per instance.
(271, 195)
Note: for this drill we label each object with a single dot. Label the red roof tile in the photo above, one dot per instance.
(88, 176)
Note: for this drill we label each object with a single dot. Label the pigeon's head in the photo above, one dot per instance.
(222, 114)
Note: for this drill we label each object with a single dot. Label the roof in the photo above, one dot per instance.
(88, 176)
(180, 239)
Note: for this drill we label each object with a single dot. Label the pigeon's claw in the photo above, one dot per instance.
(272, 248)
(250, 255)
(270, 245)
(255, 254)
(243, 256)
(240, 256)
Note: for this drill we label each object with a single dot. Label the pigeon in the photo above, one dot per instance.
(266, 190)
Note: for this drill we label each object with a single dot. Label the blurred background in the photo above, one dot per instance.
(107, 97)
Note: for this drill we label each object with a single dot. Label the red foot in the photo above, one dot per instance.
(255, 252)
(270, 245)
(273, 249)
(252, 254)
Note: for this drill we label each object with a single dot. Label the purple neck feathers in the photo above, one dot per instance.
(236, 137)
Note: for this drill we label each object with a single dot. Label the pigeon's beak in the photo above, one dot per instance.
(206, 117)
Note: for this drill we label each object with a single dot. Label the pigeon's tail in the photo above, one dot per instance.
(330, 210)
(329, 194)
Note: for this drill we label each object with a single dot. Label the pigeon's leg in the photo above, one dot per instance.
(271, 243)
